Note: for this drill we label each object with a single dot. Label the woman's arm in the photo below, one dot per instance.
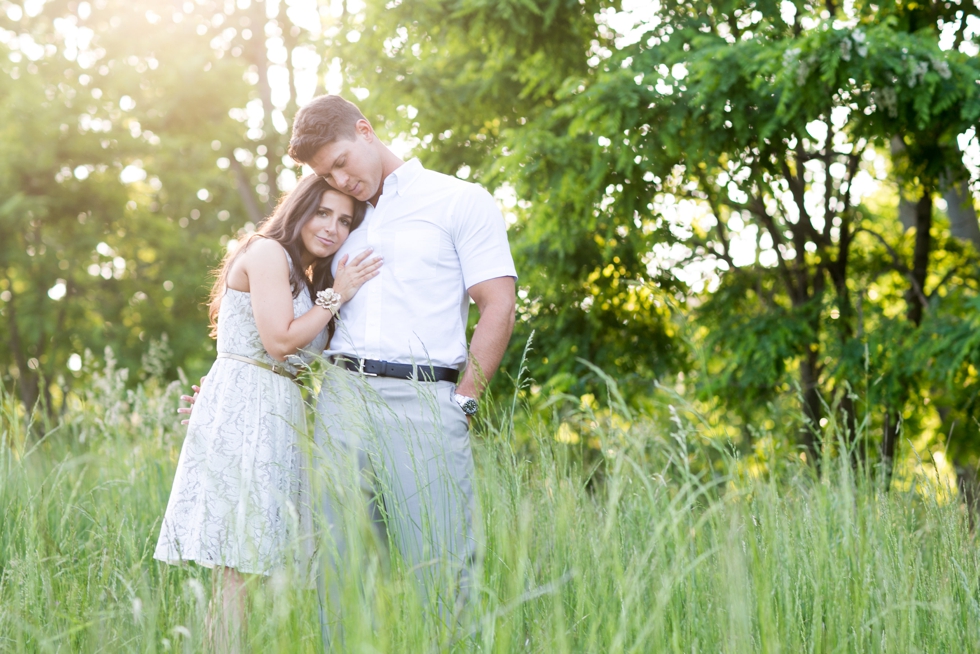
(267, 269)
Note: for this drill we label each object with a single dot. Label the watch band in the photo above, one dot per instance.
(469, 405)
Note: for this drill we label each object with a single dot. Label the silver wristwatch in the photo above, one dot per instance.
(469, 405)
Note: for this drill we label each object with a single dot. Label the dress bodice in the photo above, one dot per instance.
(238, 333)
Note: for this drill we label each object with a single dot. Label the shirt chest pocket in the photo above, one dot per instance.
(416, 253)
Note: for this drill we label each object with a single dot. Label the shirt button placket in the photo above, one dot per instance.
(375, 306)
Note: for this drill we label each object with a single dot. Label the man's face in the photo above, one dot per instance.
(353, 167)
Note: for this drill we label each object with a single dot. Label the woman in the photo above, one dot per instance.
(235, 504)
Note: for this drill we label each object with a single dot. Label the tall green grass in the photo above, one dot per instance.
(648, 550)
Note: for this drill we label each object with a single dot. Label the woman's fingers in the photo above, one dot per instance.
(361, 257)
(190, 399)
(350, 278)
(368, 270)
(358, 273)
(373, 264)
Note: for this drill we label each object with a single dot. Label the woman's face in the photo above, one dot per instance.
(326, 231)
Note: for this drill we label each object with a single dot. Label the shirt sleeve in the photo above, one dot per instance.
(480, 237)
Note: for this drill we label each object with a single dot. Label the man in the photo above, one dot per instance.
(398, 405)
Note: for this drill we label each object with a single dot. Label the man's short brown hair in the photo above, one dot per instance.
(325, 119)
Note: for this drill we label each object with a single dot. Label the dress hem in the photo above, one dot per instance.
(212, 564)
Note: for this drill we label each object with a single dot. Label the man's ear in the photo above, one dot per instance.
(363, 128)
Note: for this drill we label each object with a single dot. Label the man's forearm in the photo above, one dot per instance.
(487, 348)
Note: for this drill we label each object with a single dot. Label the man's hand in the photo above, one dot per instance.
(496, 300)
(190, 399)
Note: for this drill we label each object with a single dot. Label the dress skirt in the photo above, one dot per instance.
(237, 497)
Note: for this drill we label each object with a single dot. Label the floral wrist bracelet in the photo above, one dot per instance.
(329, 299)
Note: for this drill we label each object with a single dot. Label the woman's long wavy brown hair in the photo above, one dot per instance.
(284, 225)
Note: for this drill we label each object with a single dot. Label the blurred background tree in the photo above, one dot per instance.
(139, 140)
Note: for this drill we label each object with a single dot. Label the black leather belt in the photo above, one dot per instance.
(374, 368)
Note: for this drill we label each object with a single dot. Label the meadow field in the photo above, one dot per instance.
(648, 548)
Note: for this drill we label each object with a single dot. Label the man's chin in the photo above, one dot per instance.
(368, 196)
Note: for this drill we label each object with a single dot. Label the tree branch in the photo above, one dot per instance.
(777, 240)
(796, 187)
(948, 276)
(898, 266)
(255, 214)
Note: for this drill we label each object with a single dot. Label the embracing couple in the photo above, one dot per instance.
(371, 262)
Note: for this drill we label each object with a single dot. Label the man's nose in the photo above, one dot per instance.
(341, 179)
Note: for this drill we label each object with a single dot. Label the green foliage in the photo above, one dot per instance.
(114, 211)
(469, 69)
(727, 123)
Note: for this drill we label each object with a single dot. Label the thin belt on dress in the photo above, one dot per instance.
(271, 367)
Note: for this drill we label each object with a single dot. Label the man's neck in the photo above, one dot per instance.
(390, 162)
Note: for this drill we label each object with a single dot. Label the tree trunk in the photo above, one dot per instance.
(962, 214)
(849, 420)
(906, 208)
(245, 191)
(915, 299)
(29, 380)
(915, 296)
(812, 408)
(906, 213)
(967, 484)
(888, 439)
(845, 324)
(270, 139)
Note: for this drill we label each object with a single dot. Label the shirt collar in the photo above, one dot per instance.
(403, 177)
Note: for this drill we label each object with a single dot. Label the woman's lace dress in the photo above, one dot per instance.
(236, 496)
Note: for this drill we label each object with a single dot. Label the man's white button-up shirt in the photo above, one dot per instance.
(439, 236)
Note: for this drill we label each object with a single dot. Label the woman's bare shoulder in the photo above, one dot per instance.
(264, 252)
(261, 257)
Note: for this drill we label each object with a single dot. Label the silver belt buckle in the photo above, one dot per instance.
(360, 369)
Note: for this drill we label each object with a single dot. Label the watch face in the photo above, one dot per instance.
(467, 404)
